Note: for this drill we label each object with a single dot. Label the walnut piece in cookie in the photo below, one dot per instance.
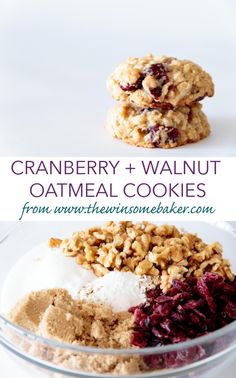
(162, 81)
(158, 128)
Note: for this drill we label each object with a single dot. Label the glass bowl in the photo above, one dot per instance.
(197, 357)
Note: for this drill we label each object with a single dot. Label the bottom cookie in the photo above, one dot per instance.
(156, 128)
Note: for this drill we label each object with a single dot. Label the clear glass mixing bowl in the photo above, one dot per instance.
(189, 359)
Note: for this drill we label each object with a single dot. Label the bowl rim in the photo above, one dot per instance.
(212, 336)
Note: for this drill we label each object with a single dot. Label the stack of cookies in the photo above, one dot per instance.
(158, 102)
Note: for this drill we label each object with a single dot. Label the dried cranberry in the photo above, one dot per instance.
(158, 71)
(167, 325)
(178, 298)
(183, 357)
(153, 319)
(230, 310)
(181, 286)
(154, 361)
(156, 92)
(159, 333)
(177, 317)
(195, 319)
(205, 293)
(194, 303)
(139, 339)
(172, 133)
(191, 308)
(175, 359)
(178, 337)
(132, 87)
(215, 279)
(162, 299)
(163, 309)
(140, 316)
(154, 293)
(200, 98)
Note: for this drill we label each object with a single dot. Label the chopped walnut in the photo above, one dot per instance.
(54, 243)
(145, 249)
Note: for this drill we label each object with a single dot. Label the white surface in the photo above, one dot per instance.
(55, 57)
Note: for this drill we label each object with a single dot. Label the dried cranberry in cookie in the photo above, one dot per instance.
(152, 81)
(131, 81)
(131, 87)
(163, 134)
(155, 78)
(158, 71)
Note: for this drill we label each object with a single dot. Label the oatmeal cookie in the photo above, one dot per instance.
(158, 128)
(159, 82)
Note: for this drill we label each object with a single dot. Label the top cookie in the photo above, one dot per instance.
(159, 82)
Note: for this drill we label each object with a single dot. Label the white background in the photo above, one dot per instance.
(55, 57)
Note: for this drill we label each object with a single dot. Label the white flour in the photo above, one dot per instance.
(120, 290)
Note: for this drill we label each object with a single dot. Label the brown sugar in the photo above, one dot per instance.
(27, 313)
(54, 314)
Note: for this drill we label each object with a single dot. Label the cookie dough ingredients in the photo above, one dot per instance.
(43, 268)
(145, 249)
(149, 285)
(120, 290)
(158, 128)
(166, 82)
